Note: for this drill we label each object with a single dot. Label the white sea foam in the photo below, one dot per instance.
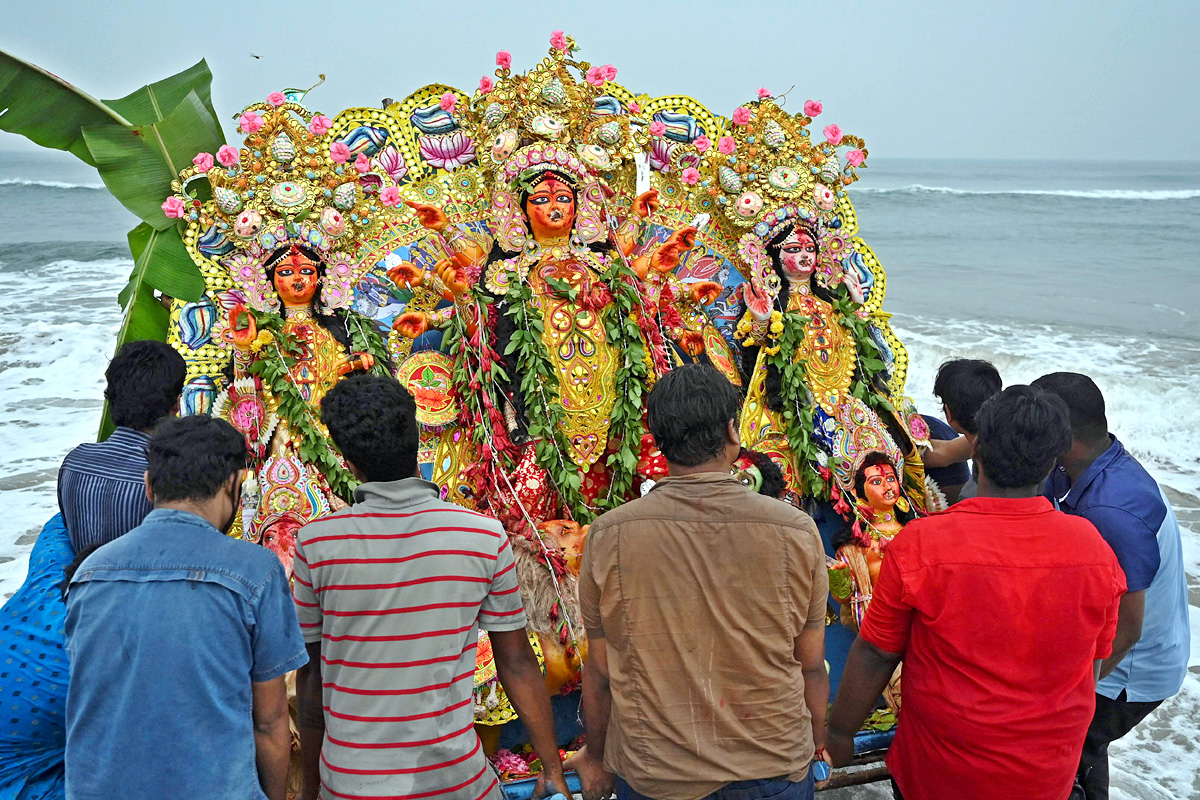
(1086, 194)
(50, 184)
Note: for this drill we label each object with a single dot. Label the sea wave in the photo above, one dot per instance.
(49, 184)
(1085, 194)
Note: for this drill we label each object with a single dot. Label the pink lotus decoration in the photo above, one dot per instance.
(726, 146)
(609, 72)
(361, 163)
(486, 85)
(276, 99)
(390, 196)
(595, 76)
(250, 122)
(558, 41)
(339, 152)
(856, 157)
(833, 134)
(390, 161)
(448, 102)
(657, 128)
(764, 93)
(447, 152)
(504, 59)
(690, 176)
(702, 143)
(634, 108)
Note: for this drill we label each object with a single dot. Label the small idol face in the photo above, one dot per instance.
(748, 473)
(296, 280)
(798, 256)
(551, 209)
(881, 487)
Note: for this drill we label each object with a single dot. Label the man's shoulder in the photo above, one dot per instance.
(107, 459)
(744, 507)
(433, 512)
(1123, 492)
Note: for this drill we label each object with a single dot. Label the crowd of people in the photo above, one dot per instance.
(1039, 619)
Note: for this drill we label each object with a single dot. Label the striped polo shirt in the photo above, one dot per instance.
(102, 488)
(396, 588)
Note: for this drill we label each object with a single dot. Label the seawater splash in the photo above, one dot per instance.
(1083, 194)
(50, 184)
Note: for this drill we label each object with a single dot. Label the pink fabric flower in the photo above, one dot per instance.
(447, 152)
(833, 134)
(764, 93)
(390, 196)
(856, 157)
(657, 128)
(448, 102)
(812, 108)
(339, 152)
(702, 143)
(174, 208)
(741, 115)
(250, 122)
(690, 176)
(486, 85)
(361, 163)
(634, 108)
(558, 41)
(227, 156)
(609, 72)
(276, 99)
(320, 125)
(203, 161)
(595, 76)
(726, 145)
(504, 59)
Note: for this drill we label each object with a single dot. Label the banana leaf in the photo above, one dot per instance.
(47, 110)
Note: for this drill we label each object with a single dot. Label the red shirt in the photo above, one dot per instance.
(999, 608)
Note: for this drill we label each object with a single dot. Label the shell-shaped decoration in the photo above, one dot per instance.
(198, 396)
(547, 126)
(595, 156)
(609, 133)
(288, 194)
(730, 180)
(345, 195)
(830, 173)
(783, 178)
(214, 243)
(504, 144)
(227, 199)
(493, 114)
(195, 323)
(774, 135)
(553, 93)
(283, 148)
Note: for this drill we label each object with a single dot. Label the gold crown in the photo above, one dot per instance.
(292, 183)
(550, 119)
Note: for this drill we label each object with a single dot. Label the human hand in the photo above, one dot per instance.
(597, 782)
(411, 324)
(547, 786)
(407, 274)
(646, 203)
(429, 216)
(705, 292)
(242, 329)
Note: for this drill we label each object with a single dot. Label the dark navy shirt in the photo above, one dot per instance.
(167, 628)
(1119, 497)
(102, 489)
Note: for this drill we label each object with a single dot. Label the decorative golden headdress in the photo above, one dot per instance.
(549, 120)
(292, 183)
(767, 174)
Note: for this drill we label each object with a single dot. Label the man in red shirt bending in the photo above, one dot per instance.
(1001, 609)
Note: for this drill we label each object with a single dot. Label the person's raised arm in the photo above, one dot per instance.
(944, 452)
(521, 677)
(272, 736)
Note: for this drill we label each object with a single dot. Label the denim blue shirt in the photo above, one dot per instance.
(1126, 505)
(167, 628)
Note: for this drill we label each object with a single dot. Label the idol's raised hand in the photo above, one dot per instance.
(646, 203)
(242, 329)
(407, 274)
(429, 216)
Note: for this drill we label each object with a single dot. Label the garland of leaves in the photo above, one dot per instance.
(870, 361)
(273, 366)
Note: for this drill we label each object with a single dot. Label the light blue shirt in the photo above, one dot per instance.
(1128, 507)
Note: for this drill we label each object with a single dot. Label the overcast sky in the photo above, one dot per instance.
(1101, 79)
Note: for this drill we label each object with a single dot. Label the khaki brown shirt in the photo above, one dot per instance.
(700, 589)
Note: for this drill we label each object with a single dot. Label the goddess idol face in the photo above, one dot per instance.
(296, 279)
(881, 487)
(798, 256)
(551, 209)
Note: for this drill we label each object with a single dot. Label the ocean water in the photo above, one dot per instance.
(1036, 266)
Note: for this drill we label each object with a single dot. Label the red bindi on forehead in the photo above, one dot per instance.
(880, 471)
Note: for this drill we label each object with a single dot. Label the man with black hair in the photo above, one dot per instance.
(1002, 610)
(391, 594)
(704, 605)
(179, 640)
(963, 385)
(1097, 479)
(101, 489)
